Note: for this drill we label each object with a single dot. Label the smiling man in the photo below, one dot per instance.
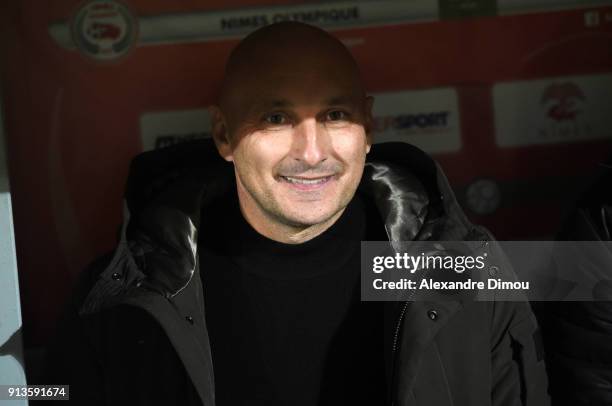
(237, 279)
(298, 134)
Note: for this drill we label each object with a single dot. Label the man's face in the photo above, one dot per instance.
(298, 142)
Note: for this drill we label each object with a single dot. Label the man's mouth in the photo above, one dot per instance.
(304, 183)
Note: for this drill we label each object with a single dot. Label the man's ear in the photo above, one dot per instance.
(369, 121)
(220, 133)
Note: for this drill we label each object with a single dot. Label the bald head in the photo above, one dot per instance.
(287, 50)
(288, 38)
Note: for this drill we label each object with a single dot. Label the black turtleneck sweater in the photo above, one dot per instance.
(285, 321)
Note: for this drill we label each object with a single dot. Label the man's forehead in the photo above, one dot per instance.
(291, 88)
(289, 72)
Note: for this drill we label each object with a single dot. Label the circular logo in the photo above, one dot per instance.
(483, 196)
(104, 29)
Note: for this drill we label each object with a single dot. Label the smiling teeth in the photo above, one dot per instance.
(305, 181)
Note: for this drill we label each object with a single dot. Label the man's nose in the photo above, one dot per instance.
(310, 142)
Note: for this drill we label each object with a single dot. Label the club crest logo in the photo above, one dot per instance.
(565, 107)
(104, 29)
(562, 101)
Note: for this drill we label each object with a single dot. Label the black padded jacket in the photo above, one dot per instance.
(135, 332)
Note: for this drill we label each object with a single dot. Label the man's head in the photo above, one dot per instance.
(294, 118)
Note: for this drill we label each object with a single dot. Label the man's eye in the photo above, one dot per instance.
(336, 115)
(276, 119)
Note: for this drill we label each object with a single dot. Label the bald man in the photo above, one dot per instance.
(237, 277)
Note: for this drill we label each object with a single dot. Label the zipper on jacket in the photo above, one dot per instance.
(396, 334)
(397, 330)
(398, 325)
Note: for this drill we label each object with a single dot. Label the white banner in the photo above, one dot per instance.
(428, 119)
(163, 129)
(553, 111)
(216, 25)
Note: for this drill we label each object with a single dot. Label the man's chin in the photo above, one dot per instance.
(301, 221)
